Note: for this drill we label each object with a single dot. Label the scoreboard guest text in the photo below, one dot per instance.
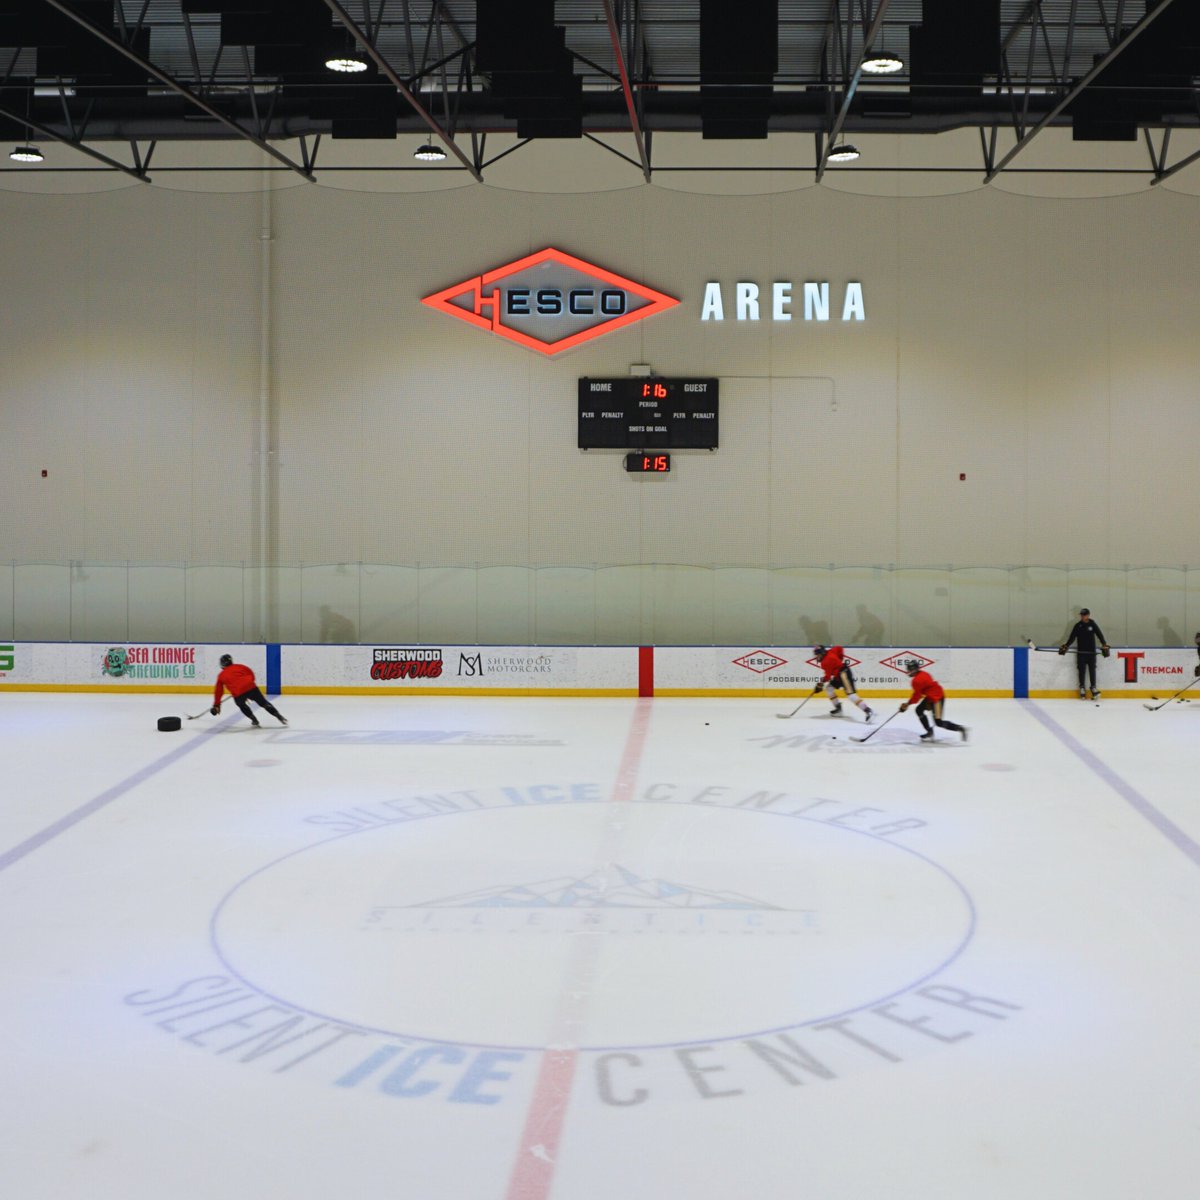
(647, 411)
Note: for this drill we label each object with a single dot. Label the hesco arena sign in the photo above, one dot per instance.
(549, 301)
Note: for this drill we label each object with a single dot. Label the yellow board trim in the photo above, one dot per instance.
(407, 691)
(619, 693)
(128, 690)
(735, 693)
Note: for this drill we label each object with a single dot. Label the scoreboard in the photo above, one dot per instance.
(637, 412)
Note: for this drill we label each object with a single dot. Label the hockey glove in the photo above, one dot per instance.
(904, 706)
(1197, 670)
(1104, 651)
(215, 710)
(1062, 649)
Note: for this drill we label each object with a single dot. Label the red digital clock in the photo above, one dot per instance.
(648, 464)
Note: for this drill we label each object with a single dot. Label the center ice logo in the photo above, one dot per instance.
(612, 899)
(867, 916)
(387, 956)
(549, 301)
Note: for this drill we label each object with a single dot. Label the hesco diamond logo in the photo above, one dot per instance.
(848, 659)
(760, 661)
(897, 661)
(549, 301)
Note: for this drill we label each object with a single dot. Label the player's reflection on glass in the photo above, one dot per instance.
(816, 632)
(335, 627)
(1169, 636)
(870, 631)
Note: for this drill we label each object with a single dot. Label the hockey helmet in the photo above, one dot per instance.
(819, 650)
(226, 660)
(912, 665)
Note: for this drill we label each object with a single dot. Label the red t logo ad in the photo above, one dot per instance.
(1131, 665)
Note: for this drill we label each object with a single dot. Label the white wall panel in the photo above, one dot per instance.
(1042, 347)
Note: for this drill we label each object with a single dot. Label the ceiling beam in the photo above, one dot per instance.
(851, 87)
(1118, 48)
(635, 124)
(45, 132)
(144, 64)
(413, 99)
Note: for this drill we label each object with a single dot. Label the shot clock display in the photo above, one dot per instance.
(647, 464)
(644, 412)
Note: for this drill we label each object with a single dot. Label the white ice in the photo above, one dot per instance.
(507, 949)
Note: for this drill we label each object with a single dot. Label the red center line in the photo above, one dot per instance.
(537, 1150)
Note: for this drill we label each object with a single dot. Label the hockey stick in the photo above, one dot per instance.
(1156, 707)
(786, 716)
(1055, 649)
(193, 716)
(877, 728)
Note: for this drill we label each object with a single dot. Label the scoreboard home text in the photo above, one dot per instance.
(641, 411)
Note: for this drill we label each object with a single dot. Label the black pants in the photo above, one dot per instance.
(256, 695)
(1086, 665)
(936, 707)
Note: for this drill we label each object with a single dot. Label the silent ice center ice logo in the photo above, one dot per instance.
(492, 884)
(437, 945)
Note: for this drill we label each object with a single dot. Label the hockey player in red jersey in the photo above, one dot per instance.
(239, 680)
(929, 697)
(836, 674)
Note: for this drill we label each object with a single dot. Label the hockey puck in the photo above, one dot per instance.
(169, 724)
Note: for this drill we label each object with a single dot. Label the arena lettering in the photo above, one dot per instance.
(746, 301)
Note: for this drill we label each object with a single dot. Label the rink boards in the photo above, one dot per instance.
(785, 671)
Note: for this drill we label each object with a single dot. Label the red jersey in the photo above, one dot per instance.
(237, 678)
(925, 687)
(832, 663)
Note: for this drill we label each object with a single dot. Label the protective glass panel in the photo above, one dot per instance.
(216, 604)
(42, 602)
(566, 606)
(157, 603)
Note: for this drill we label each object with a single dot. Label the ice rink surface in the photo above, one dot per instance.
(536, 949)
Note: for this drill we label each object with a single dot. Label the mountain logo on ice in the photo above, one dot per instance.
(612, 887)
(612, 899)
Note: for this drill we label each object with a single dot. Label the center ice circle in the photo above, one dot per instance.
(596, 925)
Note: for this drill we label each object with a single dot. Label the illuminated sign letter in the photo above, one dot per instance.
(713, 308)
(781, 297)
(816, 301)
(854, 308)
(747, 301)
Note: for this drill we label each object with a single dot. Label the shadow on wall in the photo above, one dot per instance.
(816, 633)
(1169, 636)
(335, 627)
(870, 631)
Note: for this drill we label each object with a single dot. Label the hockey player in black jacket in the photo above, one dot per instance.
(1086, 633)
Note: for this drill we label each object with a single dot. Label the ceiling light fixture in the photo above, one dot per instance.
(882, 62)
(26, 154)
(843, 152)
(429, 153)
(348, 64)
